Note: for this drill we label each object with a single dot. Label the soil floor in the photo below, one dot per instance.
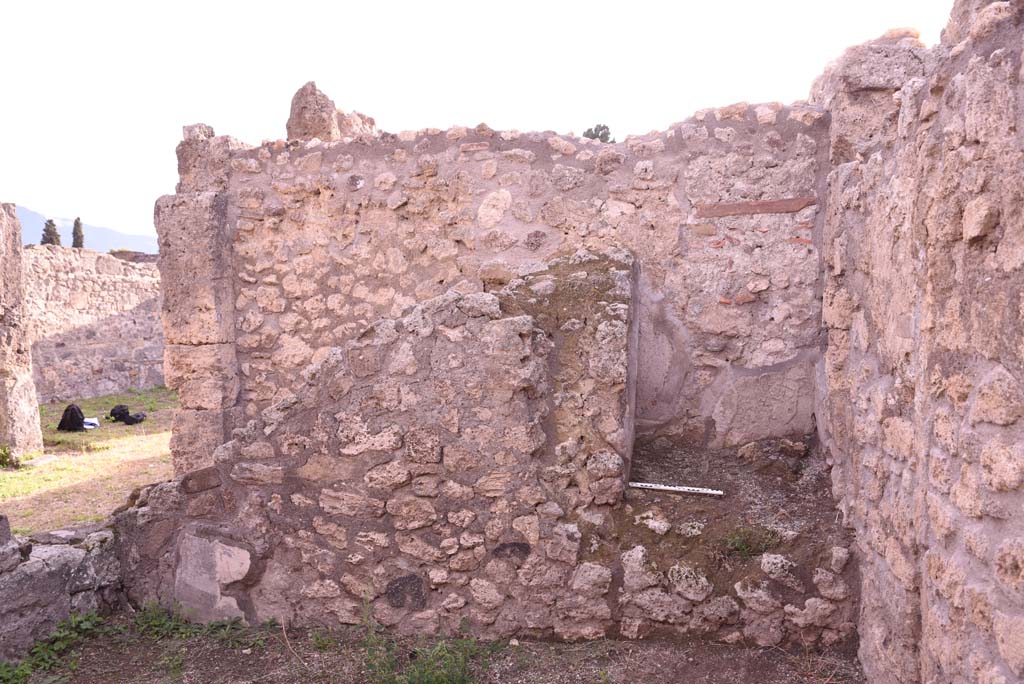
(341, 658)
(777, 499)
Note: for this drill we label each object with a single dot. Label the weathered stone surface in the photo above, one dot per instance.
(204, 570)
(42, 588)
(344, 276)
(313, 115)
(94, 321)
(19, 416)
(920, 401)
(206, 376)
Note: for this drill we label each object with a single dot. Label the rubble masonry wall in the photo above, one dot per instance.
(920, 396)
(94, 322)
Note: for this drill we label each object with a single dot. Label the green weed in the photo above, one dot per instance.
(323, 641)
(747, 542)
(7, 458)
(156, 622)
(235, 634)
(54, 651)
(448, 661)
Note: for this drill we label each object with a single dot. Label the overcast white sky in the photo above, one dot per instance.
(95, 93)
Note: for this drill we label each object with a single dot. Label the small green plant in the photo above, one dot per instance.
(7, 458)
(235, 634)
(174, 665)
(747, 542)
(156, 622)
(604, 677)
(599, 132)
(323, 641)
(53, 651)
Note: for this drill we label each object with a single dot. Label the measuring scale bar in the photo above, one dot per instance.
(675, 488)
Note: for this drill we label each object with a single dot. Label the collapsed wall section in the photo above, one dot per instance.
(437, 465)
(921, 395)
(19, 413)
(94, 323)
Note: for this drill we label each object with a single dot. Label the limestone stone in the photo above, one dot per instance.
(388, 476)
(411, 513)
(19, 418)
(981, 215)
(485, 594)
(353, 505)
(1009, 635)
(689, 582)
(591, 580)
(999, 399)
(206, 567)
(313, 115)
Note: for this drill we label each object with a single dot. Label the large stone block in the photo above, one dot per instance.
(195, 267)
(195, 434)
(206, 376)
(205, 568)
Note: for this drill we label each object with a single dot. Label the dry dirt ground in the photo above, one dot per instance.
(265, 656)
(778, 499)
(83, 476)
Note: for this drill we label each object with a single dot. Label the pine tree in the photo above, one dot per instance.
(77, 236)
(50, 234)
(599, 132)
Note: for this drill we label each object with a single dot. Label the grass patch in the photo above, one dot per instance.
(156, 622)
(82, 476)
(152, 401)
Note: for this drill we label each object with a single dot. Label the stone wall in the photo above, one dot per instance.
(462, 465)
(94, 323)
(307, 242)
(19, 416)
(437, 465)
(920, 396)
(46, 578)
(378, 372)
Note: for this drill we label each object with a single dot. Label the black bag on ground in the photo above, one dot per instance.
(119, 413)
(134, 418)
(73, 419)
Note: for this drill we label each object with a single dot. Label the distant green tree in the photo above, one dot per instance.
(599, 132)
(50, 234)
(77, 235)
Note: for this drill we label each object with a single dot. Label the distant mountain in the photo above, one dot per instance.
(96, 237)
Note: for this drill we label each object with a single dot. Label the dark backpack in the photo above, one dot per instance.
(73, 419)
(135, 418)
(119, 412)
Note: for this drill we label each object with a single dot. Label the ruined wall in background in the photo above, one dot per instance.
(94, 323)
(921, 399)
(19, 410)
